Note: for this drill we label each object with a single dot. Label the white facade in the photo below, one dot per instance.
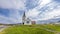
(27, 22)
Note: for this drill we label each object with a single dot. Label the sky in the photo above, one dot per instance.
(11, 11)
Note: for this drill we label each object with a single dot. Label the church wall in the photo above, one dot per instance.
(27, 23)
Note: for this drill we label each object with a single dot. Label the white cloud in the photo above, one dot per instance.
(50, 15)
(44, 2)
(14, 17)
(3, 19)
(33, 13)
(55, 12)
(15, 4)
(15, 14)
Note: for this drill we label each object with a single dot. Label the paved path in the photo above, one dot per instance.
(56, 32)
(2, 27)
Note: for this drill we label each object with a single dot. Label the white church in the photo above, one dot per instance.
(26, 20)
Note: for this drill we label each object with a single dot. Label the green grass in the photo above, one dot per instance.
(32, 29)
(53, 27)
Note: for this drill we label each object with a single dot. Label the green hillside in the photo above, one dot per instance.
(33, 29)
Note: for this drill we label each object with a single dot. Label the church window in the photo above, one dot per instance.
(27, 21)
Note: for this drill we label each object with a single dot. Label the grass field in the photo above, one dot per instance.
(33, 29)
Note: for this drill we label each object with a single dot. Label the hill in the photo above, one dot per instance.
(33, 29)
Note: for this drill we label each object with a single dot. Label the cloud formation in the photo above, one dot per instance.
(15, 4)
(35, 9)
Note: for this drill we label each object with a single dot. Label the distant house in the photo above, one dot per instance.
(33, 22)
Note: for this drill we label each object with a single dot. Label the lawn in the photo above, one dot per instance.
(32, 29)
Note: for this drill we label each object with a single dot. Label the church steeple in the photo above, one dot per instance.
(23, 18)
(24, 15)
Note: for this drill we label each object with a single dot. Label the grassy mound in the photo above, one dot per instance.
(28, 29)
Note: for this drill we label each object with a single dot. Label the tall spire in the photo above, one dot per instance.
(24, 15)
(23, 18)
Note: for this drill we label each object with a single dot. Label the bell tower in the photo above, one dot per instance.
(23, 18)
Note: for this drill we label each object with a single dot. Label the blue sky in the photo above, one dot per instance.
(11, 11)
